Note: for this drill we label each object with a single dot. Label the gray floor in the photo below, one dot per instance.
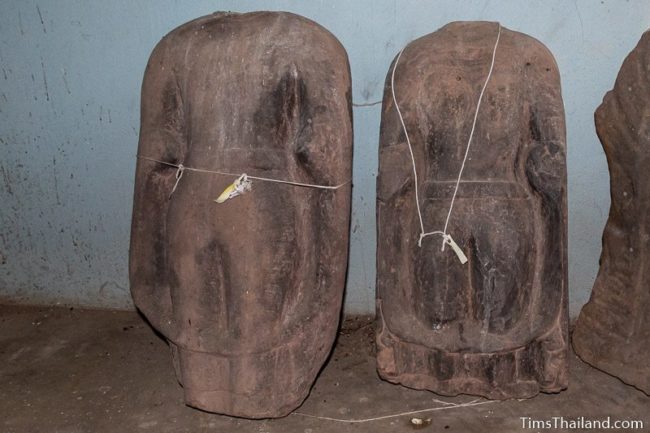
(70, 370)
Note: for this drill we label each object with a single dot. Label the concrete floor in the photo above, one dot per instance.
(69, 370)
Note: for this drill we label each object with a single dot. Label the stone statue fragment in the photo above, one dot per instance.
(247, 291)
(495, 326)
(612, 332)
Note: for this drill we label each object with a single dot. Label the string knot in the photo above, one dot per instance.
(446, 240)
(179, 174)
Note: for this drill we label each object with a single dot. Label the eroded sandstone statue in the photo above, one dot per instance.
(248, 292)
(497, 325)
(612, 332)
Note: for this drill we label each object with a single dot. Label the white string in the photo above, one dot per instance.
(413, 412)
(446, 238)
(408, 141)
(181, 169)
(471, 134)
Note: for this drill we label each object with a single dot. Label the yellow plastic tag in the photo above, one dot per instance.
(238, 187)
(225, 195)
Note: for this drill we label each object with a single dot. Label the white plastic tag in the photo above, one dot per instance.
(459, 253)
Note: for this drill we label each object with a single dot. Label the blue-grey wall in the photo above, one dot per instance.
(69, 120)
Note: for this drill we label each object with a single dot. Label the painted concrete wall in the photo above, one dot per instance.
(69, 120)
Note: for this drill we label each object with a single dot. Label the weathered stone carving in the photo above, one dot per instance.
(612, 332)
(247, 292)
(496, 326)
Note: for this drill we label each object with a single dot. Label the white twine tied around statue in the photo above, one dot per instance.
(241, 185)
(446, 237)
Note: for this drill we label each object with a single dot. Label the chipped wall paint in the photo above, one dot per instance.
(69, 118)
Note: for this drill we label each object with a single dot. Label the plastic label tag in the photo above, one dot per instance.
(459, 253)
(238, 187)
